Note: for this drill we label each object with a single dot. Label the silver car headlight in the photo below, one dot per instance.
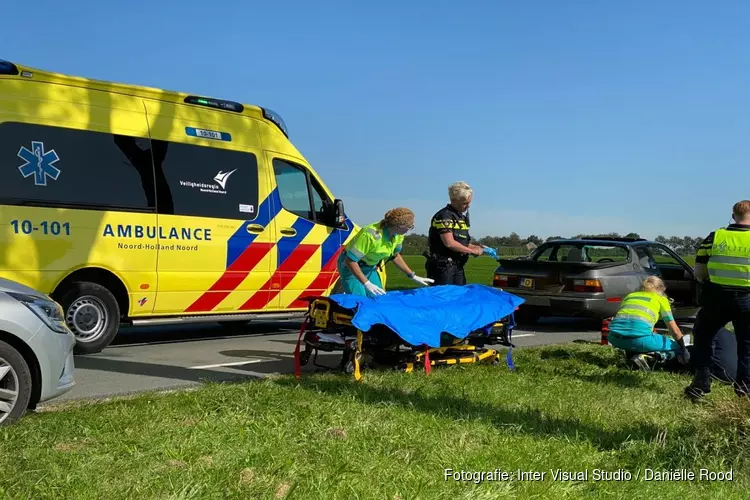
(49, 311)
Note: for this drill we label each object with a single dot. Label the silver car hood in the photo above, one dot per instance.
(7, 285)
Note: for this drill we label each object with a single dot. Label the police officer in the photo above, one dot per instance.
(449, 240)
(722, 264)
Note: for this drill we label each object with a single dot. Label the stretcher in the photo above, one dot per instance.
(328, 327)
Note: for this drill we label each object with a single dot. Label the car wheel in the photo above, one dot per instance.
(15, 384)
(93, 315)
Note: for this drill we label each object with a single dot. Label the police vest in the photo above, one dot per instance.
(644, 306)
(446, 220)
(729, 263)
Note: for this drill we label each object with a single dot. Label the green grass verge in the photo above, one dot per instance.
(390, 436)
(478, 270)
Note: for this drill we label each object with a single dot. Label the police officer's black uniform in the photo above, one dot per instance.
(725, 297)
(444, 265)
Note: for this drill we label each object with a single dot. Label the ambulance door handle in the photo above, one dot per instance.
(255, 228)
(289, 231)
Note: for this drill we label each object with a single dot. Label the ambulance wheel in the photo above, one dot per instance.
(93, 315)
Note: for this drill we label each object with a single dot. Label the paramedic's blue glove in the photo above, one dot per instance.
(491, 252)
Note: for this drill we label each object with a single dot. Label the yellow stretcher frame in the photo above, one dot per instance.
(321, 316)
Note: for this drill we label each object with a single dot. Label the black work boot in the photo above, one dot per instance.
(742, 390)
(701, 384)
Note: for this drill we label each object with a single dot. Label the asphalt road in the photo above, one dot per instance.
(144, 359)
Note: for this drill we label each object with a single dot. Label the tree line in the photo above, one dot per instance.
(515, 245)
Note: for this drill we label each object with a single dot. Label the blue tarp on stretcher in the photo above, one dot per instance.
(419, 316)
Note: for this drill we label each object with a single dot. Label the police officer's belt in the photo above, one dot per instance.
(444, 259)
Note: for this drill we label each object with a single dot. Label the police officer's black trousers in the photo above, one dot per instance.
(445, 272)
(720, 307)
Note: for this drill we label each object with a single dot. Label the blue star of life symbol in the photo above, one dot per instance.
(38, 163)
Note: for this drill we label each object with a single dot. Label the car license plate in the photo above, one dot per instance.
(527, 283)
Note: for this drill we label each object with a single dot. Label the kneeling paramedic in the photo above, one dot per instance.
(632, 329)
(374, 244)
(449, 240)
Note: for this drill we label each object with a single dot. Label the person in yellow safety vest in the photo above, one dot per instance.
(632, 328)
(722, 264)
(372, 245)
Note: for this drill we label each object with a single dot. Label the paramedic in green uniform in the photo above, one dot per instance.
(373, 244)
(632, 329)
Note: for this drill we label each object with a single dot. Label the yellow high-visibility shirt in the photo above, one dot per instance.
(372, 245)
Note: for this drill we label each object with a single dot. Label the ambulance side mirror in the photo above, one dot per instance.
(339, 214)
(334, 213)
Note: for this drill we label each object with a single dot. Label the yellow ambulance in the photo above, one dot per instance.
(134, 205)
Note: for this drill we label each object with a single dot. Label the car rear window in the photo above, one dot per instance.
(580, 252)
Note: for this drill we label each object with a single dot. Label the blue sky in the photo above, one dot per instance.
(565, 117)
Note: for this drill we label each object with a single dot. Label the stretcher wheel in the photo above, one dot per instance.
(349, 368)
(304, 357)
(496, 360)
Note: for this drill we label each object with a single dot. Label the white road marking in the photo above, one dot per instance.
(523, 335)
(238, 363)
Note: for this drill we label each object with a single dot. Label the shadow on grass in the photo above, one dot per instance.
(523, 420)
(623, 380)
(581, 356)
(617, 372)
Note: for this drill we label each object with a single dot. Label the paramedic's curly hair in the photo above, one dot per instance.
(398, 217)
(654, 284)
